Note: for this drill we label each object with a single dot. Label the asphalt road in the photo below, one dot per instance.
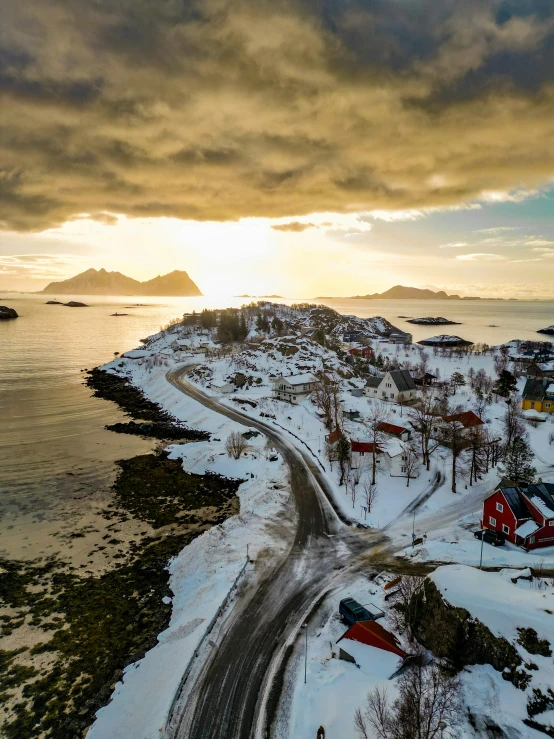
(225, 698)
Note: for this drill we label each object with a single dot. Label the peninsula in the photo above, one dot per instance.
(101, 282)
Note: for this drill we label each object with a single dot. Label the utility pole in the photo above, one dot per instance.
(413, 530)
(305, 627)
(481, 558)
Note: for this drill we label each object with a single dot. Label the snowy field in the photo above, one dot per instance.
(203, 574)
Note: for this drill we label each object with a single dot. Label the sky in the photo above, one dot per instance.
(296, 147)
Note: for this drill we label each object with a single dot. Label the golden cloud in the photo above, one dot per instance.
(216, 110)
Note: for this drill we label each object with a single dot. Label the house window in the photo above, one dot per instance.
(492, 521)
(403, 469)
(551, 522)
(499, 507)
(362, 454)
(547, 405)
(294, 397)
(505, 529)
(532, 540)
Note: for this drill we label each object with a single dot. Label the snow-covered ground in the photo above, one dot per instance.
(203, 574)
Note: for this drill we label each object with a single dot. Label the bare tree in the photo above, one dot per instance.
(478, 455)
(406, 601)
(454, 438)
(378, 414)
(423, 417)
(370, 492)
(513, 422)
(235, 444)
(324, 397)
(428, 707)
(410, 461)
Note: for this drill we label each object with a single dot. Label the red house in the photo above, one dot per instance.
(524, 515)
(365, 352)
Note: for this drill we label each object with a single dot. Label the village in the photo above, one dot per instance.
(444, 448)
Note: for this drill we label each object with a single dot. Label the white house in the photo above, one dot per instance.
(224, 387)
(397, 385)
(395, 458)
(466, 422)
(293, 388)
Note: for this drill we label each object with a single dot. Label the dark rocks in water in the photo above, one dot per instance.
(549, 330)
(132, 400)
(7, 313)
(119, 314)
(438, 321)
(75, 304)
(53, 302)
(164, 430)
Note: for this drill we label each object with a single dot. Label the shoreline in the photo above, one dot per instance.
(63, 611)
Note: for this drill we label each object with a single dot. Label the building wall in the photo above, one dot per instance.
(501, 518)
(546, 405)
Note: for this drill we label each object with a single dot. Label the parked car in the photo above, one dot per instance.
(491, 537)
(351, 612)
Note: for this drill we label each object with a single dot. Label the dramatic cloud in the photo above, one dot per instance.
(294, 226)
(221, 109)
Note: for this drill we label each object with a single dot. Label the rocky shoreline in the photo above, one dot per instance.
(87, 629)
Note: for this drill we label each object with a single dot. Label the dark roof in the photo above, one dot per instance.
(373, 381)
(544, 491)
(535, 389)
(516, 502)
(403, 380)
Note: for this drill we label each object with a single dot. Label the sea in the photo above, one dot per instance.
(52, 438)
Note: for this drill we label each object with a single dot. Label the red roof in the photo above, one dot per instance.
(365, 446)
(374, 635)
(390, 428)
(467, 419)
(333, 436)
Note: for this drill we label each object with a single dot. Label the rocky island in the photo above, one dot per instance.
(430, 321)
(101, 282)
(445, 340)
(549, 330)
(7, 313)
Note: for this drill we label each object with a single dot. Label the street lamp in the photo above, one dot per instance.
(305, 627)
(482, 540)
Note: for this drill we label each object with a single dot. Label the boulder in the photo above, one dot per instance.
(6, 312)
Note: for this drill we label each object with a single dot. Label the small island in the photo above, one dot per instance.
(430, 321)
(446, 341)
(549, 330)
(7, 313)
(53, 302)
(75, 304)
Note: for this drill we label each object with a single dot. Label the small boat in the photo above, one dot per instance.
(493, 325)
(120, 314)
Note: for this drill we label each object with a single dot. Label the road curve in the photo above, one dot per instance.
(224, 700)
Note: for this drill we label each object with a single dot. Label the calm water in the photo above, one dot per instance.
(52, 440)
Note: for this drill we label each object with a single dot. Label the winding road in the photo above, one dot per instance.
(225, 700)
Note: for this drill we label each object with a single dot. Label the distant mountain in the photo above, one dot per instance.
(101, 282)
(399, 292)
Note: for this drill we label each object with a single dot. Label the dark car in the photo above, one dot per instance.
(351, 611)
(491, 537)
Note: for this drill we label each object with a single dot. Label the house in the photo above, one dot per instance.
(395, 459)
(352, 415)
(396, 385)
(362, 451)
(223, 387)
(467, 421)
(524, 515)
(426, 380)
(399, 432)
(400, 337)
(362, 351)
(538, 395)
(542, 369)
(293, 388)
(349, 336)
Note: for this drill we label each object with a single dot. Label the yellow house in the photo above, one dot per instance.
(538, 395)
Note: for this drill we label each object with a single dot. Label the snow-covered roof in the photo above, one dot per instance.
(527, 528)
(302, 379)
(394, 448)
(136, 354)
(541, 505)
